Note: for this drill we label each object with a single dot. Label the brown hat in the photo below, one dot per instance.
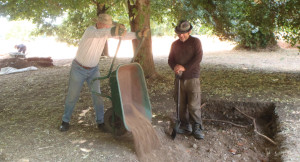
(183, 27)
(105, 19)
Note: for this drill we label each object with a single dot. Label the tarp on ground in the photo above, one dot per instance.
(10, 70)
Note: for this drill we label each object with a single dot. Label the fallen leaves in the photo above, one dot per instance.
(233, 151)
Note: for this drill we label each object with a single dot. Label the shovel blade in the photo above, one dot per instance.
(173, 135)
(175, 130)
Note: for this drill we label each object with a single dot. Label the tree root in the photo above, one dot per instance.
(255, 128)
(237, 125)
(223, 121)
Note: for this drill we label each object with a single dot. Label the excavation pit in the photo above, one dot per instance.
(230, 127)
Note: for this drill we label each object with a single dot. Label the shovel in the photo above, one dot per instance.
(177, 123)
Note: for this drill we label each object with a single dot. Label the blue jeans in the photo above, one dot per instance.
(78, 75)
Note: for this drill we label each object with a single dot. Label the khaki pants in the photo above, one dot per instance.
(190, 100)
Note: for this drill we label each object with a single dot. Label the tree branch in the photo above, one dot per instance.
(95, 2)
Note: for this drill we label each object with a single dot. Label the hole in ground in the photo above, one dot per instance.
(242, 143)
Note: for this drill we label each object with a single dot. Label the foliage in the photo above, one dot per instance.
(289, 21)
(165, 15)
(250, 23)
(238, 21)
(256, 29)
(73, 26)
(77, 15)
(161, 17)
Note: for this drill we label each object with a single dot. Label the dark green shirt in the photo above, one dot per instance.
(188, 54)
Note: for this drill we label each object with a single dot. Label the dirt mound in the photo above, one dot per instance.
(26, 62)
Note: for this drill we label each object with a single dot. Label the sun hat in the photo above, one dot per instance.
(183, 27)
(105, 19)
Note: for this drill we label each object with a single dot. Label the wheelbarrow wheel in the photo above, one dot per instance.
(117, 126)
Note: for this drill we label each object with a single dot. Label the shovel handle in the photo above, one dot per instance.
(178, 95)
(179, 74)
(177, 124)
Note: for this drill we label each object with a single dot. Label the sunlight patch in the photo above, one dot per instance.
(85, 150)
(84, 112)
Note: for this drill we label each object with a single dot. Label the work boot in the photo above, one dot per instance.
(64, 126)
(198, 133)
(185, 129)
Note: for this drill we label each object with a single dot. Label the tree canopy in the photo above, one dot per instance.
(251, 23)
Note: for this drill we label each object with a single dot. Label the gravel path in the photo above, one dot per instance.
(284, 60)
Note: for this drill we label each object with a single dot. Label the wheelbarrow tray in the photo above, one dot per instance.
(128, 89)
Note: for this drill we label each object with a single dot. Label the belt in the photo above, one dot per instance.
(85, 67)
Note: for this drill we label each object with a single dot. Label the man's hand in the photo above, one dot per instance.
(122, 30)
(178, 69)
(142, 33)
(118, 30)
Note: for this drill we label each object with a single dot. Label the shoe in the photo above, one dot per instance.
(198, 133)
(101, 127)
(64, 126)
(185, 129)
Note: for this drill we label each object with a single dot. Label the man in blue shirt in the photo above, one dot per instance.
(21, 48)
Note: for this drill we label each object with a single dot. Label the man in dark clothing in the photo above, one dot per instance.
(184, 59)
(21, 48)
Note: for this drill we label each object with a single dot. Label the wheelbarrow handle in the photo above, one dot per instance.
(137, 49)
(114, 59)
(102, 95)
(109, 72)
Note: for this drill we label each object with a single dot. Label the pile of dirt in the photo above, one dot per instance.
(20, 63)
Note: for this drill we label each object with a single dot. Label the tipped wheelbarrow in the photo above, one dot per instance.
(128, 90)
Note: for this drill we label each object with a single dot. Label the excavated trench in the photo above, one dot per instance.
(243, 118)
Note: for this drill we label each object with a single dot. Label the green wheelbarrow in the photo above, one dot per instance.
(128, 90)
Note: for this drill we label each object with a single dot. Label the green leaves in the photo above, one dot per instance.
(251, 23)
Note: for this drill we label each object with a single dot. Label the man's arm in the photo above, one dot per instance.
(197, 56)
(128, 36)
(171, 59)
(172, 62)
(93, 32)
(118, 31)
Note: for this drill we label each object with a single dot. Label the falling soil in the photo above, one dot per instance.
(146, 140)
(132, 94)
(144, 135)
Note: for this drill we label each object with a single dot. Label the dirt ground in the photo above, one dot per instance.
(264, 85)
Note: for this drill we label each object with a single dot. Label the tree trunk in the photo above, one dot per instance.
(138, 22)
